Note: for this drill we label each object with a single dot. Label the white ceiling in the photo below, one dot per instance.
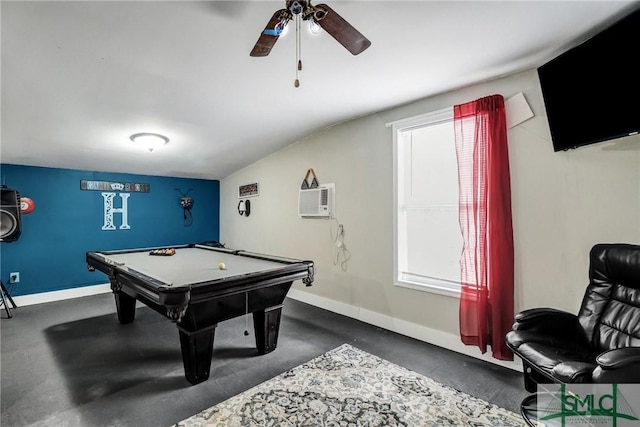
(79, 77)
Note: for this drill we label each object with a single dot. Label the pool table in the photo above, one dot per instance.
(191, 289)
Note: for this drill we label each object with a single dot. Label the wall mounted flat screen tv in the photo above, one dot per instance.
(592, 91)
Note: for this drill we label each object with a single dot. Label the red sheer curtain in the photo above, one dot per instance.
(486, 301)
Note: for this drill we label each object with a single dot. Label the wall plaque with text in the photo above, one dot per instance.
(130, 187)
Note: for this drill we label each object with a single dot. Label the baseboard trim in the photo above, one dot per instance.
(41, 298)
(432, 336)
(413, 330)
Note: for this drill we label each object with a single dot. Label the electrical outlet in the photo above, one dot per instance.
(339, 242)
(14, 277)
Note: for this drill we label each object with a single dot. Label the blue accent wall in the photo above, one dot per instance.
(67, 222)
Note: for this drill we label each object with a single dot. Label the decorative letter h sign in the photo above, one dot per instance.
(109, 210)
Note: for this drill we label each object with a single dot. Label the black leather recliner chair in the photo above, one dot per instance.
(599, 345)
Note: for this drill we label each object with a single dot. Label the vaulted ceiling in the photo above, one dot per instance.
(80, 77)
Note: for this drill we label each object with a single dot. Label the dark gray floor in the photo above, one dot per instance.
(70, 363)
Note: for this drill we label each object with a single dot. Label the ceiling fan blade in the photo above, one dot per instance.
(270, 34)
(341, 30)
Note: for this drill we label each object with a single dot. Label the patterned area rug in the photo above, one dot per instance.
(347, 387)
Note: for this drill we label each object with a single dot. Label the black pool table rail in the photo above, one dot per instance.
(196, 308)
(171, 295)
(98, 260)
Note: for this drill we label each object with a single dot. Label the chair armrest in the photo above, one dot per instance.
(620, 365)
(619, 358)
(548, 320)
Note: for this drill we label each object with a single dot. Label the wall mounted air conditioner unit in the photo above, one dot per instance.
(315, 202)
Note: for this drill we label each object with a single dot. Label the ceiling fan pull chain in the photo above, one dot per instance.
(298, 60)
(299, 47)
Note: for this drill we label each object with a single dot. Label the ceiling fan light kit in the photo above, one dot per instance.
(320, 16)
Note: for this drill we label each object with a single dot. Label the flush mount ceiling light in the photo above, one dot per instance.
(150, 141)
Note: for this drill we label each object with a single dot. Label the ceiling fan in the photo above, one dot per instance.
(321, 15)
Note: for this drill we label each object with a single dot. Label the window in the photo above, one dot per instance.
(427, 236)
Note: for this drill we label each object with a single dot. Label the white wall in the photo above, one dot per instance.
(563, 203)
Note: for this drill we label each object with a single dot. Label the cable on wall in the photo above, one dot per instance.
(341, 254)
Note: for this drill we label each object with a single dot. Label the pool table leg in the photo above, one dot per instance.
(126, 307)
(266, 324)
(197, 349)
